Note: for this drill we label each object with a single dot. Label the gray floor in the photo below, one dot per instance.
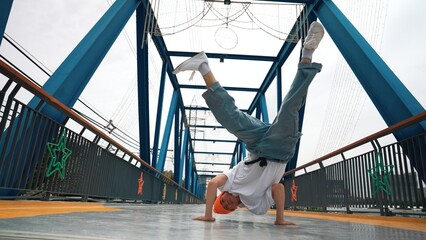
(174, 222)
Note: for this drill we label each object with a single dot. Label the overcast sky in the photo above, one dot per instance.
(50, 29)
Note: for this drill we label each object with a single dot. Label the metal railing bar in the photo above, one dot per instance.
(403, 184)
(23, 81)
(25, 146)
(358, 180)
(359, 176)
(370, 185)
(413, 177)
(407, 179)
(364, 180)
(422, 166)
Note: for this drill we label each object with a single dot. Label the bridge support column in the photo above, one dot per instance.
(5, 7)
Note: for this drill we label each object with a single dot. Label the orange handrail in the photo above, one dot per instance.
(22, 80)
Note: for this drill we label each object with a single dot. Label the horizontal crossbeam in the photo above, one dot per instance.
(204, 108)
(205, 126)
(215, 140)
(214, 153)
(202, 87)
(207, 171)
(212, 163)
(225, 56)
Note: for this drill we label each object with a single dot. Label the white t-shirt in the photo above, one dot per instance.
(253, 183)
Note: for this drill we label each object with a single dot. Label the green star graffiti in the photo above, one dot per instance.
(59, 154)
(380, 175)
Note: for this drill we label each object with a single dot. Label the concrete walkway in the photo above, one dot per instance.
(63, 220)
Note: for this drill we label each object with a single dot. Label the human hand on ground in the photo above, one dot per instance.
(284, 223)
(204, 218)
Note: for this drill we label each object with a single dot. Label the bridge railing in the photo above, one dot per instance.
(387, 179)
(40, 158)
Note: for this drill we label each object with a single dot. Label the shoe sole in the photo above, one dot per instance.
(183, 64)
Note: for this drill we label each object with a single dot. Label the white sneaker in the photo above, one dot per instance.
(192, 64)
(315, 34)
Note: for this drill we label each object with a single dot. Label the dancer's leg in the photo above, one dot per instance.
(280, 140)
(245, 127)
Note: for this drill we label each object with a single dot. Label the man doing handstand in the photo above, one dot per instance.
(256, 186)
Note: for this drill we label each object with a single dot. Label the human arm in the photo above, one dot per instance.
(212, 187)
(278, 195)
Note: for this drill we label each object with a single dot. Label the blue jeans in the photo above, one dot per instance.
(276, 141)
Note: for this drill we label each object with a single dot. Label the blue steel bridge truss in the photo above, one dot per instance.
(77, 69)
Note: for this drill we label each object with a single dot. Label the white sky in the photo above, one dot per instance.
(50, 29)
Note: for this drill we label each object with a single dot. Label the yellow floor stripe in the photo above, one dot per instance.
(14, 209)
(414, 224)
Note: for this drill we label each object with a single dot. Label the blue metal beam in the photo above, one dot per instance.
(279, 89)
(69, 80)
(189, 170)
(143, 86)
(197, 108)
(213, 163)
(207, 126)
(202, 87)
(206, 109)
(264, 108)
(210, 171)
(183, 156)
(187, 160)
(166, 135)
(159, 115)
(234, 160)
(218, 153)
(215, 140)
(207, 175)
(391, 98)
(194, 180)
(5, 7)
(224, 56)
(243, 147)
(239, 154)
(178, 145)
(192, 159)
(163, 52)
(258, 114)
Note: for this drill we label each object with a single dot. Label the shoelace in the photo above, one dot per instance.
(192, 76)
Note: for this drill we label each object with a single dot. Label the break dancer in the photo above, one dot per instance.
(255, 182)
